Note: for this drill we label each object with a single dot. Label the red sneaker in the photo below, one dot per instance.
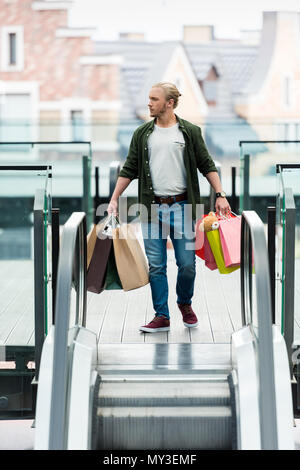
(188, 315)
(157, 324)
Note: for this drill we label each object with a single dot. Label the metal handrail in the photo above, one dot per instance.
(253, 238)
(71, 269)
(33, 143)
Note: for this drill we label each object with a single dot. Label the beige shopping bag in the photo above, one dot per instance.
(98, 231)
(130, 259)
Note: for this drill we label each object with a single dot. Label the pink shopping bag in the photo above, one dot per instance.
(230, 236)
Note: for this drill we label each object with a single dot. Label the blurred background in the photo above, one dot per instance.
(74, 82)
(75, 77)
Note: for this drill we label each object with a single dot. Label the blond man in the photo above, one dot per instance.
(165, 154)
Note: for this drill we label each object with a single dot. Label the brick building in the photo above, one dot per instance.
(272, 93)
(57, 83)
(51, 84)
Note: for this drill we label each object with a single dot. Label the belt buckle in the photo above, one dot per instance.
(163, 198)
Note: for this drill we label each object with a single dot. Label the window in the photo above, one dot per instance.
(12, 48)
(210, 90)
(288, 130)
(210, 86)
(288, 91)
(179, 82)
(15, 115)
(77, 125)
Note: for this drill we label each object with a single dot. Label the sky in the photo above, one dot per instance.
(163, 20)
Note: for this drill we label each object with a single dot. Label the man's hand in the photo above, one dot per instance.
(113, 207)
(121, 185)
(222, 206)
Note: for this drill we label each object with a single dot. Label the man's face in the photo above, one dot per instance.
(157, 102)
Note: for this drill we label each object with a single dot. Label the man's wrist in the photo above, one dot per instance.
(221, 194)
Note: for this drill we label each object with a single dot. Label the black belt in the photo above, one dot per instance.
(170, 199)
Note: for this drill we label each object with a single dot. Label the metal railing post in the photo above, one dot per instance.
(55, 254)
(97, 194)
(289, 273)
(87, 205)
(114, 170)
(246, 178)
(271, 218)
(39, 277)
(233, 199)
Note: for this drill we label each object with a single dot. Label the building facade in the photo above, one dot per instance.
(51, 84)
(59, 84)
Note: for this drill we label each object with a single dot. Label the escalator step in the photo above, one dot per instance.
(173, 427)
(164, 394)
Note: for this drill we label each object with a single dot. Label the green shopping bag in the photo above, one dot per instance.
(112, 280)
(215, 243)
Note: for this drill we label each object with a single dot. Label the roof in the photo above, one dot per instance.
(144, 63)
(137, 59)
(235, 62)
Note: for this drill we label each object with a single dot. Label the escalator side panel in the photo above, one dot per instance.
(43, 405)
(284, 401)
(247, 404)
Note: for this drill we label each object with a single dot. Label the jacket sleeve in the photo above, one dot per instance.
(204, 161)
(130, 167)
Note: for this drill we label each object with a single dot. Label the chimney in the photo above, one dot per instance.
(198, 34)
(132, 37)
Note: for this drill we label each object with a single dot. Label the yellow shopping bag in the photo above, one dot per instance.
(215, 243)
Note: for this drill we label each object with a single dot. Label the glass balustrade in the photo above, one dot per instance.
(258, 160)
(288, 247)
(71, 178)
(25, 252)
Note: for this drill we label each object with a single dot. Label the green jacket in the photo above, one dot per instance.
(196, 156)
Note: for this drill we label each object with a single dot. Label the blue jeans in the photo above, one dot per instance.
(170, 221)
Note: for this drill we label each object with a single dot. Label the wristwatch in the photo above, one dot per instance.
(221, 194)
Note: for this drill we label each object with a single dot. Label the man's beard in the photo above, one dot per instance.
(161, 112)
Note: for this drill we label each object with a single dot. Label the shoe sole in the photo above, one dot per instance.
(191, 325)
(154, 330)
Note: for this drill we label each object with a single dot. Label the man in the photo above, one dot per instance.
(164, 155)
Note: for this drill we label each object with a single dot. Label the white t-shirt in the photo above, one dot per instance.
(166, 149)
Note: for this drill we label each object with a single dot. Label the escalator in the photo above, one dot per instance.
(165, 396)
(165, 411)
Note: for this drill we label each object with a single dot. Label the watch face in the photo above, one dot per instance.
(223, 194)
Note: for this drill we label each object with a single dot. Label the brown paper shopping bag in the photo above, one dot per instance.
(91, 241)
(99, 246)
(130, 259)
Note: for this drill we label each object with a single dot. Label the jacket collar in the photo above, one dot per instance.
(179, 120)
